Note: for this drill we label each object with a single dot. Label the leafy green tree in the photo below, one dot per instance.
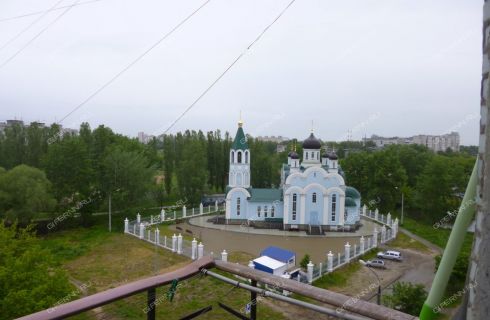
(168, 161)
(406, 297)
(30, 279)
(24, 192)
(304, 262)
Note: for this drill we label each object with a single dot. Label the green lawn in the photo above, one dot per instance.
(403, 241)
(104, 260)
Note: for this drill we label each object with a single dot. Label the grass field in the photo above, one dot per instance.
(101, 260)
(403, 241)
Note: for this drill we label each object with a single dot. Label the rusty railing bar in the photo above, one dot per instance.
(339, 300)
(108, 296)
(265, 293)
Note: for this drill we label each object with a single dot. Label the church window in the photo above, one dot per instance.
(334, 206)
(258, 211)
(313, 197)
(272, 211)
(312, 155)
(239, 157)
(306, 155)
(232, 157)
(246, 156)
(265, 211)
(238, 206)
(295, 198)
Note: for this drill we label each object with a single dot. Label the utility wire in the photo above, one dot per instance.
(30, 25)
(37, 35)
(41, 12)
(105, 85)
(228, 68)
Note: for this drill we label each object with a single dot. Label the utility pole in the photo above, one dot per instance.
(479, 277)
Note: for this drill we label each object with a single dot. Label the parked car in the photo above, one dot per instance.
(376, 264)
(392, 255)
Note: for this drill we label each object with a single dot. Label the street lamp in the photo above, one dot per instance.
(401, 219)
(378, 300)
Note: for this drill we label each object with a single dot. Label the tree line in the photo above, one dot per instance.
(45, 171)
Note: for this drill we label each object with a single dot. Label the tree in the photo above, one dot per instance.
(24, 192)
(406, 297)
(30, 280)
(304, 262)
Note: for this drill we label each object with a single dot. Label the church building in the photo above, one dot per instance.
(312, 196)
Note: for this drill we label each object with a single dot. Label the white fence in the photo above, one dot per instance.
(194, 250)
(352, 251)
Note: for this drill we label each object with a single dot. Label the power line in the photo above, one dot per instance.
(105, 85)
(37, 35)
(41, 12)
(228, 68)
(30, 25)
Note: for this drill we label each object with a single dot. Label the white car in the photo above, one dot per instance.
(376, 264)
(392, 255)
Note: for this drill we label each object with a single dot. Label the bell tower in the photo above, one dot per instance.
(239, 175)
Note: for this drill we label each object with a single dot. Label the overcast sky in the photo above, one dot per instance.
(393, 68)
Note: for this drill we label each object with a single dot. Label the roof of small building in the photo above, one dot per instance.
(349, 202)
(265, 195)
(277, 253)
(240, 142)
(269, 262)
(352, 192)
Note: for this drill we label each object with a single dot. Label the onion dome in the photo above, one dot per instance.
(349, 202)
(352, 193)
(312, 142)
(294, 155)
(332, 156)
(325, 155)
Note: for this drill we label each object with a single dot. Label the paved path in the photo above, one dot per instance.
(427, 243)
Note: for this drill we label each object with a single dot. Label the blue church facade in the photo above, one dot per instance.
(312, 195)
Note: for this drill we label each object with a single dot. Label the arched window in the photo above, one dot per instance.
(258, 211)
(313, 197)
(265, 211)
(334, 206)
(272, 211)
(239, 157)
(312, 155)
(232, 160)
(306, 155)
(238, 206)
(295, 198)
(246, 156)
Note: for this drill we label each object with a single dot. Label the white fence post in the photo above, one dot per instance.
(383, 234)
(364, 210)
(184, 211)
(192, 211)
(200, 250)
(376, 214)
(162, 215)
(149, 235)
(224, 256)
(330, 261)
(165, 241)
(388, 219)
(375, 237)
(200, 208)
(134, 229)
(362, 244)
(309, 269)
(174, 243)
(138, 218)
(216, 205)
(209, 209)
(142, 231)
(179, 244)
(151, 219)
(320, 266)
(347, 252)
(126, 225)
(338, 258)
(157, 236)
(251, 264)
(194, 249)
(175, 215)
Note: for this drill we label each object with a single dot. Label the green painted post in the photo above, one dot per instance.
(463, 220)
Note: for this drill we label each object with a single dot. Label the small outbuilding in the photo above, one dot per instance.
(269, 265)
(280, 254)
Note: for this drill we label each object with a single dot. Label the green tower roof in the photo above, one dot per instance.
(240, 142)
(352, 192)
